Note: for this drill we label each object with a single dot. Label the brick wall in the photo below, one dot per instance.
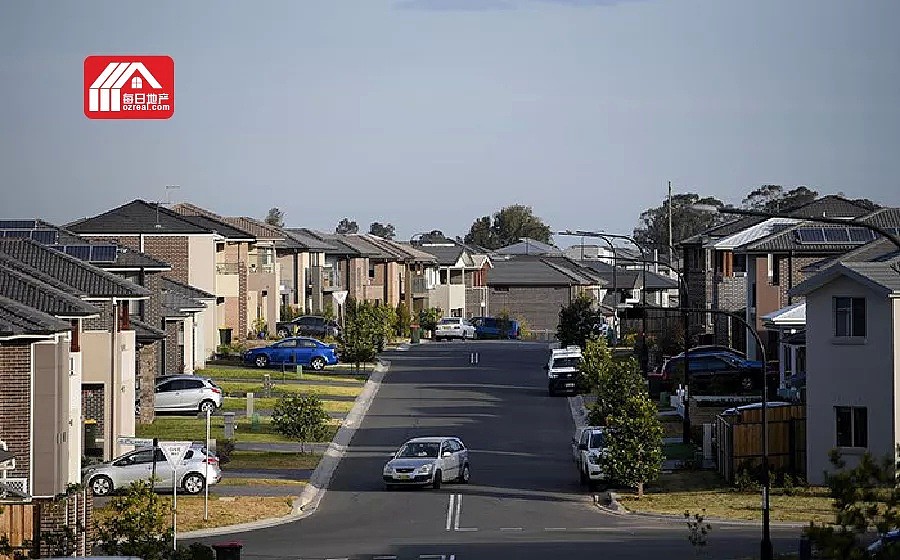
(15, 403)
(174, 359)
(75, 512)
(92, 404)
(103, 321)
(539, 306)
(172, 250)
(147, 368)
(790, 273)
(236, 312)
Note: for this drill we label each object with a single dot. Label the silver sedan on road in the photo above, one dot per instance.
(428, 461)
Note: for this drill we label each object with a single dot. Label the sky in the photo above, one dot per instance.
(427, 114)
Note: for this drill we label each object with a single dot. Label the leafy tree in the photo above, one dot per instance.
(865, 497)
(300, 417)
(138, 524)
(616, 382)
(404, 319)
(382, 230)
(653, 231)
(433, 236)
(346, 226)
(596, 360)
(387, 322)
(577, 321)
(428, 318)
(773, 198)
(481, 234)
(634, 441)
(362, 330)
(275, 217)
(510, 224)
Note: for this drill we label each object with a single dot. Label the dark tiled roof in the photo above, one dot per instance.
(446, 255)
(175, 303)
(129, 258)
(146, 332)
(875, 251)
(883, 276)
(404, 251)
(17, 319)
(136, 217)
(258, 229)
(320, 242)
(86, 279)
(886, 274)
(365, 247)
(529, 247)
(186, 289)
(536, 270)
(227, 231)
(30, 291)
(627, 278)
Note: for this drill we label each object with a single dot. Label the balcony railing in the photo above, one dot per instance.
(262, 268)
(228, 268)
(419, 286)
(327, 275)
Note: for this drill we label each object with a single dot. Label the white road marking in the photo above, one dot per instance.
(384, 558)
(554, 528)
(450, 511)
(456, 526)
(511, 529)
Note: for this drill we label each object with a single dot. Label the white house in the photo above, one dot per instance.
(853, 362)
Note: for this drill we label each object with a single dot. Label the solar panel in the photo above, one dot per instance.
(103, 253)
(810, 235)
(18, 224)
(45, 236)
(837, 235)
(861, 235)
(16, 233)
(81, 252)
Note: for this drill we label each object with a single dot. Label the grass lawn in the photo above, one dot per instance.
(222, 511)
(264, 460)
(698, 490)
(262, 482)
(226, 373)
(193, 429)
(236, 404)
(234, 388)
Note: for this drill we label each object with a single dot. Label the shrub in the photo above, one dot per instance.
(224, 449)
(301, 418)
(138, 525)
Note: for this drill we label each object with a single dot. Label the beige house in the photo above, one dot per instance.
(458, 284)
(852, 362)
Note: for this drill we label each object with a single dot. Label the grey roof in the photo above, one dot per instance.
(409, 253)
(311, 242)
(875, 251)
(880, 276)
(137, 216)
(17, 319)
(84, 279)
(628, 278)
(39, 295)
(529, 247)
(129, 258)
(176, 304)
(538, 270)
(446, 255)
(364, 247)
(146, 332)
(213, 221)
(185, 289)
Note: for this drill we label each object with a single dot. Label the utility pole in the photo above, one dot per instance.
(670, 225)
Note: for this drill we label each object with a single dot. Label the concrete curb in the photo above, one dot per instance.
(312, 493)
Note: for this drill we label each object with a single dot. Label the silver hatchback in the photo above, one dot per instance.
(187, 393)
(428, 461)
(197, 469)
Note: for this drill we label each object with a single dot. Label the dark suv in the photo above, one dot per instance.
(716, 372)
(308, 325)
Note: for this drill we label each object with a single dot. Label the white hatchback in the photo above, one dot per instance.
(454, 327)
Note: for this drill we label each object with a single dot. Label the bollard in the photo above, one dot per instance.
(267, 386)
(249, 405)
(229, 425)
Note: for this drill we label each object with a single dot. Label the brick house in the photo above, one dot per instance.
(39, 454)
(345, 268)
(181, 307)
(310, 270)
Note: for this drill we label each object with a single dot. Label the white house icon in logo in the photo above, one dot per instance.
(106, 92)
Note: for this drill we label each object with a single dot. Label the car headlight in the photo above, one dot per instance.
(552, 375)
(424, 469)
(388, 469)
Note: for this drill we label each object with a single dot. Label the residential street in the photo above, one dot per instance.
(524, 500)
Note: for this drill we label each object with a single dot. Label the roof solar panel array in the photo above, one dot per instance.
(90, 253)
(827, 235)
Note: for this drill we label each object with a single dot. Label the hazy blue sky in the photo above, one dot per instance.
(429, 113)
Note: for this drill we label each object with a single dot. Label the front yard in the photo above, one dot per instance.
(173, 428)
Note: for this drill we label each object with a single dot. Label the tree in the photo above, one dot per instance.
(404, 319)
(773, 198)
(362, 331)
(653, 231)
(634, 441)
(346, 226)
(137, 525)
(433, 236)
(275, 217)
(865, 497)
(382, 230)
(578, 321)
(300, 417)
(616, 382)
(510, 224)
(481, 234)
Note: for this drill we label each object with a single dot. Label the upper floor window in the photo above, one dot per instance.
(849, 317)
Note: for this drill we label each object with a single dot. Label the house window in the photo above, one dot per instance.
(851, 426)
(740, 263)
(849, 317)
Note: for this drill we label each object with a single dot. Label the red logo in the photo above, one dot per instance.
(129, 87)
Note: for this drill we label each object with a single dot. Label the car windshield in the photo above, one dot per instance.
(598, 441)
(449, 321)
(419, 450)
(566, 362)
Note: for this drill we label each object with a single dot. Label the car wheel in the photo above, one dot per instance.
(464, 474)
(583, 477)
(207, 405)
(436, 483)
(261, 361)
(193, 483)
(101, 485)
(318, 363)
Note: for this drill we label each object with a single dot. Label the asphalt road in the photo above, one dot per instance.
(524, 500)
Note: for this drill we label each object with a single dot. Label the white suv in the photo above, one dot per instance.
(454, 327)
(562, 370)
(589, 452)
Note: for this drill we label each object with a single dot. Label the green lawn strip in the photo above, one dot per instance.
(268, 460)
(340, 372)
(168, 428)
(240, 389)
(679, 451)
(259, 482)
(235, 404)
(696, 491)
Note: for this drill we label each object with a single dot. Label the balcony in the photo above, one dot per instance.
(262, 268)
(228, 268)
(419, 286)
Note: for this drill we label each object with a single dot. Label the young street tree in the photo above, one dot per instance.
(382, 230)
(577, 321)
(634, 440)
(510, 224)
(275, 217)
(300, 417)
(346, 225)
(138, 525)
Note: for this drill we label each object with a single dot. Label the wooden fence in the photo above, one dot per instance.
(739, 441)
(16, 524)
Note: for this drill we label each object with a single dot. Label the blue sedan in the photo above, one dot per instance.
(296, 351)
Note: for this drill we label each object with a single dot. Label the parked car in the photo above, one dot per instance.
(454, 327)
(714, 371)
(185, 393)
(562, 370)
(489, 327)
(588, 453)
(428, 461)
(299, 351)
(197, 469)
(308, 325)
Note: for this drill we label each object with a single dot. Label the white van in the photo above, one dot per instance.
(562, 370)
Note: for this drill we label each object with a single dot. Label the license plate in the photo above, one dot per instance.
(403, 476)
(569, 385)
